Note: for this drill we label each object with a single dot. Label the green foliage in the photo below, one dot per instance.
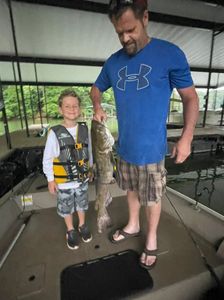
(216, 99)
(45, 99)
(10, 101)
(108, 97)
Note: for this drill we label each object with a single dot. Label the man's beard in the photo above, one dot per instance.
(131, 48)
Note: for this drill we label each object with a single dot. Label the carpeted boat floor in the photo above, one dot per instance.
(32, 270)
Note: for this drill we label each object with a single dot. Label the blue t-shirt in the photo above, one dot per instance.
(142, 86)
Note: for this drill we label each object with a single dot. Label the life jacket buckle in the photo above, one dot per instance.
(81, 162)
(78, 146)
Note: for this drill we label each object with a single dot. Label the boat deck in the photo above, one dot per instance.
(32, 269)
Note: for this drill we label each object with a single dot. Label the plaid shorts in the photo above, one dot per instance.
(71, 200)
(149, 181)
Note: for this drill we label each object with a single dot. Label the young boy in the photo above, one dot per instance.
(66, 160)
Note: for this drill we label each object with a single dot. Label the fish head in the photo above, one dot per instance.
(102, 139)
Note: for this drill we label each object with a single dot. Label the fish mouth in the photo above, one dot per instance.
(99, 124)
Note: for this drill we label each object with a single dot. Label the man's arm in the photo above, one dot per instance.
(95, 95)
(182, 149)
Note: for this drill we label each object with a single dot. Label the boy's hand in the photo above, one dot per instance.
(52, 187)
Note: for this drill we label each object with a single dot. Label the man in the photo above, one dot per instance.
(143, 74)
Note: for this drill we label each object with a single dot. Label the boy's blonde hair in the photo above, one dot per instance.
(66, 93)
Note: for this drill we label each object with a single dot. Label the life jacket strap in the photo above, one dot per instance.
(64, 163)
(78, 146)
(80, 176)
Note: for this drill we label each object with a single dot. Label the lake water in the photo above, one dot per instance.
(200, 178)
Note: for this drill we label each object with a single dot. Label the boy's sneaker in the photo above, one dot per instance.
(85, 233)
(72, 239)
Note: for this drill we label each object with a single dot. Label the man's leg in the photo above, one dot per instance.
(133, 222)
(153, 216)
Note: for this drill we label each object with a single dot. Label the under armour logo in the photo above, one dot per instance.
(142, 80)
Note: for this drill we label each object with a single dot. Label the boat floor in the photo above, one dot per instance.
(32, 270)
